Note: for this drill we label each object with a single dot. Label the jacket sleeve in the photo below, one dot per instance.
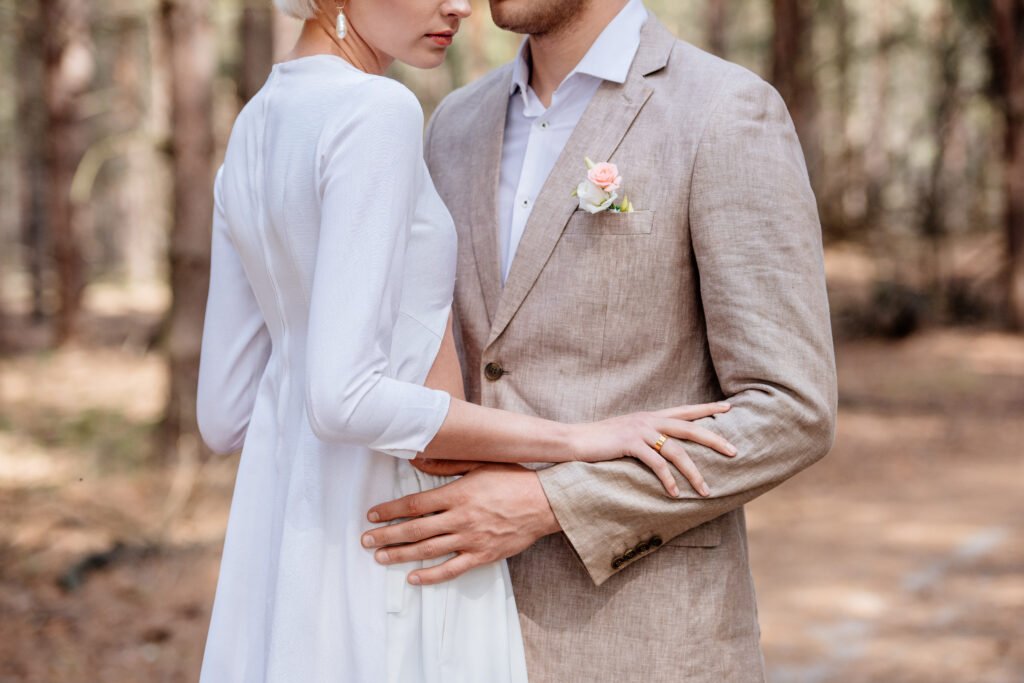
(756, 237)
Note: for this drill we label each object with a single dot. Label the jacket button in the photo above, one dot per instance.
(617, 562)
(493, 371)
(629, 554)
(642, 547)
(655, 541)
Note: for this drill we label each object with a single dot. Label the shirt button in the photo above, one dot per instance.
(526, 203)
(543, 124)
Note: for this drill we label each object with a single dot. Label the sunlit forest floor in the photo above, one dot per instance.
(898, 558)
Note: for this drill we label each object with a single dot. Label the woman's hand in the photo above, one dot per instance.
(635, 435)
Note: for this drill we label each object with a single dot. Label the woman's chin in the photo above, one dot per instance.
(426, 59)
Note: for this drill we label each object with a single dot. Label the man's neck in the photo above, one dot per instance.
(554, 55)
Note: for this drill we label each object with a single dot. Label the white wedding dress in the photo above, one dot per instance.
(333, 269)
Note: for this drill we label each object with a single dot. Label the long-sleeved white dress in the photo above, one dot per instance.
(333, 269)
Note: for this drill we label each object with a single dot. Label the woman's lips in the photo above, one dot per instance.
(441, 39)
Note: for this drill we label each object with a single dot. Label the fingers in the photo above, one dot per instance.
(675, 453)
(410, 531)
(659, 466)
(413, 505)
(445, 468)
(446, 571)
(429, 465)
(693, 412)
(672, 452)
(430, 549)
(681, 429)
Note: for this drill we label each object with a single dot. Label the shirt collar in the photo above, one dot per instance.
(609, 58)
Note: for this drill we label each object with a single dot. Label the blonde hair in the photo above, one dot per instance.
(300, 9)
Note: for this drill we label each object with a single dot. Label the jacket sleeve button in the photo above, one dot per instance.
(655, 541)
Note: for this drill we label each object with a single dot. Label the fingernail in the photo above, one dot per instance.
(724, 406)
(382, 556)
(368, 541)
(704, 490)
(675, 492)
(373, 517)
(414, 580)
(732, 451)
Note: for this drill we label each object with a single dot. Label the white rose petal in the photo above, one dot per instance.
(593, 199)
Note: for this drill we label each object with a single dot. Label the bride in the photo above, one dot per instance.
(327, 351)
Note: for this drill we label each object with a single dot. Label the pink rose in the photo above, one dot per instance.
(606, 176)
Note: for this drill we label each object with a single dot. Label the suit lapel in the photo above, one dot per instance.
(597, 135)
(489, 132)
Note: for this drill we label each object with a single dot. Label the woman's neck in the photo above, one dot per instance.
(314, 39)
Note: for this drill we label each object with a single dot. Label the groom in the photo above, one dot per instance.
(711, 288)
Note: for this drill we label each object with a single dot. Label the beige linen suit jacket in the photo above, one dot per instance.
(712, 289)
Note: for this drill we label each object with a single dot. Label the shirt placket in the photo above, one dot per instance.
(527, 189)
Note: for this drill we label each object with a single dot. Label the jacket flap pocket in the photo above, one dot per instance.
(707, 535)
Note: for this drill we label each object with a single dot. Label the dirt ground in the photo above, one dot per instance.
(897, 559)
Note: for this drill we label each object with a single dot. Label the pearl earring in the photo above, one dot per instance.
(342, 27)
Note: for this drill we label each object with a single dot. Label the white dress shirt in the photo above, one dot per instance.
(535, 136)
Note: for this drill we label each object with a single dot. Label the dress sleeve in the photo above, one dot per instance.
(370, 174)
(236, 343)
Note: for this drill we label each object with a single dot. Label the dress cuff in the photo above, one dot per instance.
(422, 422)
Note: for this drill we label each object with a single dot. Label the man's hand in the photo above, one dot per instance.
(493, 512)
(444, 468)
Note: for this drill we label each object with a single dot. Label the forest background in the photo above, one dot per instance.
(898, 558)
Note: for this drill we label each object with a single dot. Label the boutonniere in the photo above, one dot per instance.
(600, 189)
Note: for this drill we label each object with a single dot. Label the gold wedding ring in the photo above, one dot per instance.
(659, 443)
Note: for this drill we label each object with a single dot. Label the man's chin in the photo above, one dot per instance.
(508, 18)
(534, 17)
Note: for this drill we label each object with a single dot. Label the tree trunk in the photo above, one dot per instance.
(256, 30)
(1008, 57)
(30, 125)
(793, 76)
(67, 72)
(136, 226)
(876, 155)
(934, 197)
(189, 52)
(840, 186)
(716, 24)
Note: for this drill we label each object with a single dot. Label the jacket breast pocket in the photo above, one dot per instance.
(610, 223)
